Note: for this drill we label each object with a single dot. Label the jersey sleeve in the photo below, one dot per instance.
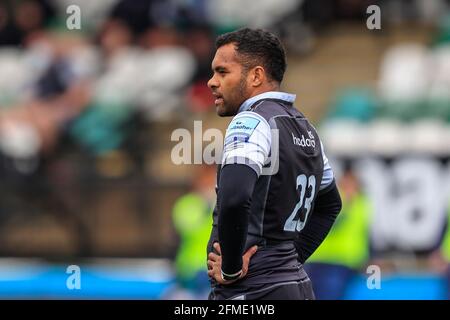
(247, 141)
(328, 175)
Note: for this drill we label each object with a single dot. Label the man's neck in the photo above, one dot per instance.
(266, 88)
(273, 93)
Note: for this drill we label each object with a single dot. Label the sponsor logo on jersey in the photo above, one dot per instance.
(243, 126)
(304, 142)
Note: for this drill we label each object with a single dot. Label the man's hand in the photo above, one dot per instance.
(215, 264)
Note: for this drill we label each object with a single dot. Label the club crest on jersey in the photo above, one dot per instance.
(304, 142)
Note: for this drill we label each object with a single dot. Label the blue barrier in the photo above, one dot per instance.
(400, 287)
(49, 282)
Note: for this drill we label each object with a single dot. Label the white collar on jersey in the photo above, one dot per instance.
(267, 95)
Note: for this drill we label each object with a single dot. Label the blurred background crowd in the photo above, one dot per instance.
(86, 117)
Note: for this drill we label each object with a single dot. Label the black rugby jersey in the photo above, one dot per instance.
(272, 137)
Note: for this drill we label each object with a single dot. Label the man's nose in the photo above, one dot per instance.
(213, 83)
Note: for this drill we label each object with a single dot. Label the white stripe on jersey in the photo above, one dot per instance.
(247, 141)
(328, 174)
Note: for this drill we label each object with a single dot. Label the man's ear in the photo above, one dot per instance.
(258, 76)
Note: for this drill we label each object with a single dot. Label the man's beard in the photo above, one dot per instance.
(232, 108)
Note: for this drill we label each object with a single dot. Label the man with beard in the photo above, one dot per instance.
(276, 195)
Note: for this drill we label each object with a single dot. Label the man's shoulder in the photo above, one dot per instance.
(271, 108)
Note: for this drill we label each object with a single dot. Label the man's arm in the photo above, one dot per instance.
(327, 206)
(246, 150)
(236, 185)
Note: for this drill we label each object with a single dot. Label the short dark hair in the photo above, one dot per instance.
(257, 47)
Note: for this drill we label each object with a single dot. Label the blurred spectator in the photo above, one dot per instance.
(199, 40)
(114, 36)
(52, 92)
(346, 248)
(192, 218)
(57, 93)
(18, 19)
(163, 66)
(141, 15)
(159, 37)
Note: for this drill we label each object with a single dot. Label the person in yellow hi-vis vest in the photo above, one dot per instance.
(445, 251)
(439, 258)
(346, 248)
(192, 219)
